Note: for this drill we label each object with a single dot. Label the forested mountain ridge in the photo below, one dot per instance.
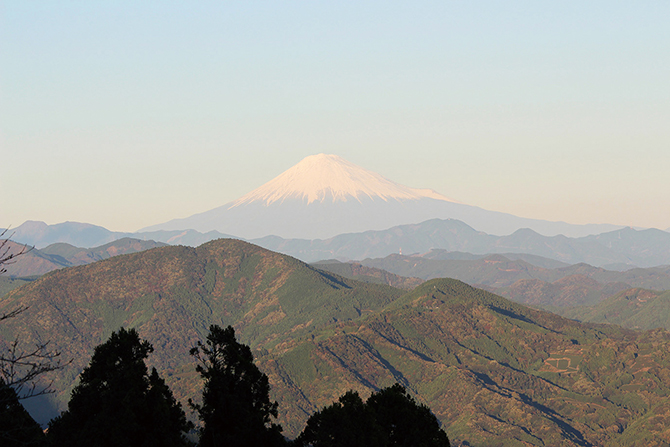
(494, 372)
(172, 294)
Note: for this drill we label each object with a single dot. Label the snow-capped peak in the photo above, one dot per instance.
(324, 176)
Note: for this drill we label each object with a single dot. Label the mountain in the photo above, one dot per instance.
(493, 371)
(634, 308)
(172, 294)
(552, 288)
(537, 261)
(354, 270)
(645, 248)
(81, 256)
(31, 262)
(569, 291)
(39, 234)
(7, 283)
(325, 195)
(620, 250)
(61, 255)
(497, 271)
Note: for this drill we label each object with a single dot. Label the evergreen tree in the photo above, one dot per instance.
(236, 410)
(17, 427)
(119, 403)
(389, 418)
(406, 423)
(346, 423)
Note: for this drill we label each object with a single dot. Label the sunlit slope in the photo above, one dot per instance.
(172, 295)
(634, 308)
(495, 372)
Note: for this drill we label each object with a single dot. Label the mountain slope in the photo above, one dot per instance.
(31, 262)
(172, 295)
(495, 372)
(325, 195)
(633, 308)
(61, 255)
(323, 177)
(354, 270)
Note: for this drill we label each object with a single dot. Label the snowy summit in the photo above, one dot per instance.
(325, 195)
(318, 178)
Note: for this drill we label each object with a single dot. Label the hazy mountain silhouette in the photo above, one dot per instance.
(325, 195)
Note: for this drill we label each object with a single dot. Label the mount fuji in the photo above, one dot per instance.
(325, 195)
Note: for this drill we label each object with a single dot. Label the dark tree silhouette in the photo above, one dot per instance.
(236, 410)
(406, 423)
(346, 423)
(17, 427)
(118, 402)
(389, 418)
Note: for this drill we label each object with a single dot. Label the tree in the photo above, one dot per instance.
(20, 371)
(236, 410)
(389, 418)
(346, 423)
(406, 423)
(118, 402)
(17, 427)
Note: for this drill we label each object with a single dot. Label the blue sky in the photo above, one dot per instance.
(127, 114)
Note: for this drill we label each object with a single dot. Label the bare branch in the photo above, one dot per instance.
(6, 255)
(22, 369)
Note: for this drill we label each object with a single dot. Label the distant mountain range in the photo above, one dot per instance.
(497, 271)
(59, 255)
(635, 299)
(325, 195)
(619, 249)
(493, 371)
(533, 283)
(39, 234)
(615, 250)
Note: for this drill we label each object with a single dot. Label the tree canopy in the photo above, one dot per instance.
(118, 402)
(236, 410)
(17, 427)
(389, 418)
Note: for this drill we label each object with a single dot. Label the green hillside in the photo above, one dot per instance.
(571, 291)
(493, 371)
(8, 284)
(634, 308)
(354, 270)
(172, 295)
